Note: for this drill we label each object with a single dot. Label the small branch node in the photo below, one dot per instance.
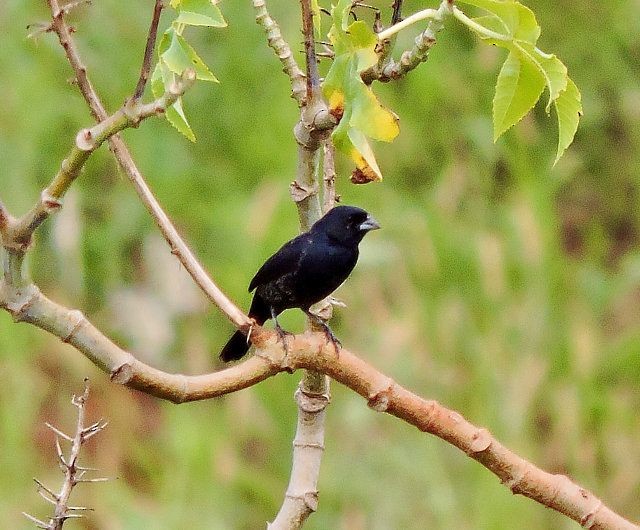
(311, 402)
(122, 374)
(308, 445)
(589, 519)
(20, 304)
(379, 397)
(514, 482)
(480, 441)
(84, 140)
(299, 192)
(76, 318)
(49, 202)
(309, 499)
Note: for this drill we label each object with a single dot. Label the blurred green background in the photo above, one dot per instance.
(504, 288)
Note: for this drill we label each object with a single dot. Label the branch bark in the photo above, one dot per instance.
(281, 47)
(310, 351)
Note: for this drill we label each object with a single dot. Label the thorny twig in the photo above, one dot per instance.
(73, 472)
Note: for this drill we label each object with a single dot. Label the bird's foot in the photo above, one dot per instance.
(282, 335)
(328, 333)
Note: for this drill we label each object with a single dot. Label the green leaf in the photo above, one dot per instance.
(160, 80)
(519, 86)
(527, 69)
(200, 13)
(554, 72)
(569, 110)
(175, 3)
(354, 103)
(176, 117)
(178, 55)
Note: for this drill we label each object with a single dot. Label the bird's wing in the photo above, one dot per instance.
(285, 261)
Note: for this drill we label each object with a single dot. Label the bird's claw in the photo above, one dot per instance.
(328, 333)
(282, 336)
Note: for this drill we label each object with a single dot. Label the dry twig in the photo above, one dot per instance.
(73, 472)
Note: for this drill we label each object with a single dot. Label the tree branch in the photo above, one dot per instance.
(73, 472)
(311, 352)
(126, 162)
(86, 142)
(282, 49)
(149, 49)
(388, 69)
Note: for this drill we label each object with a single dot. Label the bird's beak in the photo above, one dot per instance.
(369, 224)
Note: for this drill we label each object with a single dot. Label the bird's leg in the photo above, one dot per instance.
(327, 331)
(282, 333)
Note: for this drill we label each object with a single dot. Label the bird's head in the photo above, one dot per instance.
(346, 224)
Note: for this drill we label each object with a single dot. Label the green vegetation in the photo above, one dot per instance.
(501, 285)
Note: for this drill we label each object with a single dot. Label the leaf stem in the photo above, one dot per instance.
(478, 28)
(416, 17)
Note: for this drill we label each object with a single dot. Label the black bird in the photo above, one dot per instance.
(304, 271)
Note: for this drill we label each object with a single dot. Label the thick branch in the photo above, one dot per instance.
(28, 304)
(311, 351)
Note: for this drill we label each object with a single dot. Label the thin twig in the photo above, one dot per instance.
(73, 473)
(313, 78)
(397, 12)
(148, 50)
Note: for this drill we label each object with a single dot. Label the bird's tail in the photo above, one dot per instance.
(235, 348)
(239, 344)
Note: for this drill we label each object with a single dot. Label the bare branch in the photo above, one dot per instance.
(126, 162)
(387, 69)
(37, 522)
(313, 78)
(148, 50)
(59, 432)
(59, 26)
(397, 12)
(87, 141)
(72, 472)
(301, 498)
(282, 49)
(311, 352)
